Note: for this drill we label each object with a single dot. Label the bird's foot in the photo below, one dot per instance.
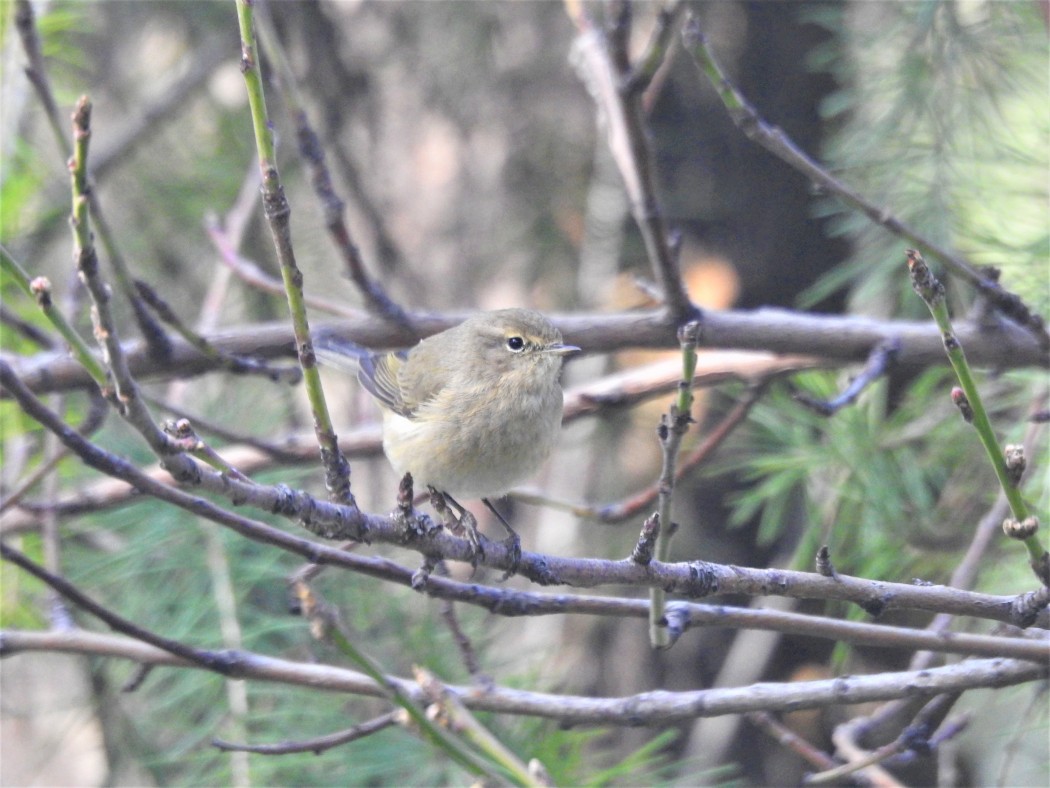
(513, 544)
(469, 523)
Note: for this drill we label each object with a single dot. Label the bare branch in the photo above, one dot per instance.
(777, 142)
(648, 708)
(603, 65)
(830, 337)
(332, 521)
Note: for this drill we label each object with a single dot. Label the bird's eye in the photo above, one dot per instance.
(515, 344)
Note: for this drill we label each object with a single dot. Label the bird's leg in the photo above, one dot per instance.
(444, 513)
(513, 541)
(465, 522)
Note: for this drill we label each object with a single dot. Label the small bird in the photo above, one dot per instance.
(471, 411)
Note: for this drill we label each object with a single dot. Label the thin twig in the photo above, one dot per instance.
(278, 216)
(916, 737)
(332, 205)
(673, 427)
(249, 272)
(658, 49)
(604, 66)
(785, 737)
(316, 745)
(326, 624)
(156, 339)
(691, 580)
(659, 707)
(275, 451)
(182, 432)
(95, 418)
(238, 365)
(125, 393)
(40, 290)
(459, 637)
(879, 364)
(454, 714)
(199, 657)
(1025, 523)
(780, 145)
(629, 507)
(24, 327)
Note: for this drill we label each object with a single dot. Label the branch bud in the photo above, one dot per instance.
(1015, 462)
(1020, 530)
(963, 404)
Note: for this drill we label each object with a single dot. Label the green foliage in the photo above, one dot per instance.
(21, 595)
(646, 765)
(63, 27)
(942, 117)
(24, 178)
(569, 756)
(176, 713)
(893, 491)
(31, 164)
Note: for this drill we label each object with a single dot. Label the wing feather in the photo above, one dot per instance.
(378, 373)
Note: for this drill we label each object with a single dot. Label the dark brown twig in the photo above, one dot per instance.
(335, 222)
(25, 21)
(316, 745)
(657, 50)
(459, 637)
(332, 205)
(783, 736)
(879, 364)
(205, 659)
(238, 365)
(604, 66)
(775, 141)
(25, 328)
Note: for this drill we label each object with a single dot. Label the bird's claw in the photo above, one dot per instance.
(469, 523)
(513, 544)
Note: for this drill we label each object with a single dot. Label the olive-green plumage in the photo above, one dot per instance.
(476, 409)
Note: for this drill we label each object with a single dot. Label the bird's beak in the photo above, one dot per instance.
(562, 350)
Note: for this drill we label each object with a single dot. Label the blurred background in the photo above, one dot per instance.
(476, 176)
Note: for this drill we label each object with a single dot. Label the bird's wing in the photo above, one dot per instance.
(420, 382)
(379, 373)
(338, 353)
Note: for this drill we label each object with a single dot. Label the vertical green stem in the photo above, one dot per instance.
(278, 216)
(930, 289)
(673, 427)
